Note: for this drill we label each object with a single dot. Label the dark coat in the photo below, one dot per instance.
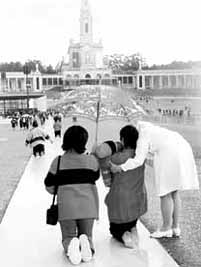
(127, 199)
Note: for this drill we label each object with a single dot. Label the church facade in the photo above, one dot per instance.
(85, 64)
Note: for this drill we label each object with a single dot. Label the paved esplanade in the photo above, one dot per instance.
(26, 240)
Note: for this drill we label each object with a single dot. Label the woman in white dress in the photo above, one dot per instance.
(174, 168)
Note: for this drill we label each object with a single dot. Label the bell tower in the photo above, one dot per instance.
(86, 56)
(86, 35)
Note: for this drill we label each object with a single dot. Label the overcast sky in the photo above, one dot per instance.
(161, 30)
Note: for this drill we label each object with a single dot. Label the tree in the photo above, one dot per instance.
(18, 67)
(50, 70)
(120, 63)
(177, 65)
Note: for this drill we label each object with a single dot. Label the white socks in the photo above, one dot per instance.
(79, 249)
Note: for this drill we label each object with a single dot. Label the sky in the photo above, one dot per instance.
(161, 30)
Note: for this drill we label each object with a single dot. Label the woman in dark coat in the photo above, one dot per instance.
(127, 198)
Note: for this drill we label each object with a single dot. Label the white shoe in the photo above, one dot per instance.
(73, 253)
(128, 239)
(135, 237)
(176, 232)
(161, 234)
(86, 253)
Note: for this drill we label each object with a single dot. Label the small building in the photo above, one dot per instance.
(19, 91)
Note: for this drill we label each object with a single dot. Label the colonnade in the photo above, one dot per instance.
(19, 84)
(146, 80)
(143, 79)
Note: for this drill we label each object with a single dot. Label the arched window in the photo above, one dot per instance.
(87, 58)
(88, 76)
(98, 76)
(76, 77)
(68, 77)
(106, 76)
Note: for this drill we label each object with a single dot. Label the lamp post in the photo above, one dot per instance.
(3, 84)
(27, 70)
(98, 110)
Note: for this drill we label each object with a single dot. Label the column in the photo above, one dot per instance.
(160, 82)
(152, 82)
(169, 81)
(137, 82)
(184, 84)
(40, 83)
(9, 87)
(34, 84)
(177, 81)
(24, 85)
(134, 82)
(16, 85)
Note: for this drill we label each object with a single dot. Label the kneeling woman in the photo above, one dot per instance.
(77, 194)
(127, 198)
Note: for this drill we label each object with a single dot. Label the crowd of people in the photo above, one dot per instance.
(37, 135)
(176, 112)
(24, 121)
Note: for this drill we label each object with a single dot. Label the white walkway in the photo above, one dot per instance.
(26, 240)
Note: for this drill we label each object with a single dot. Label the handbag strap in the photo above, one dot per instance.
(56, 186)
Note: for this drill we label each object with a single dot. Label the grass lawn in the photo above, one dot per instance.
(14, 156)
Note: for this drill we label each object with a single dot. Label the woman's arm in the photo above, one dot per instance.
(50, 179)
(140, 156)
(50, 189)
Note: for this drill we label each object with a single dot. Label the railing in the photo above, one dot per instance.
(102, 118)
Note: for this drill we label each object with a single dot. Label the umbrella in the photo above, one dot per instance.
(100, 103)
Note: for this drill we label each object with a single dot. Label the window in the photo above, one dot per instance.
(19, 83)
(49, 81)
(54, 81)
(87, 58)
(60, 81)
(130, 79)
(140, 81)
(37, 83)
(44, 81)
(76, 59)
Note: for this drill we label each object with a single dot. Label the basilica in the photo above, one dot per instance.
(86, 56)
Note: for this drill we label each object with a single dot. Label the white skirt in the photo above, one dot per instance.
(175, 167)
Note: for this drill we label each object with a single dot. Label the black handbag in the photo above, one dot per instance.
(52, 212)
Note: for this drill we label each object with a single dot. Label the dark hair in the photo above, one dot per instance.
(35, 124)
(130, 135)
(75, 138)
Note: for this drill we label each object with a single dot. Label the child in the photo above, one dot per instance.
(57, 127)
(77, 195)
(104, 152)
(127, 198)
(36, 138)
(13, 122)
